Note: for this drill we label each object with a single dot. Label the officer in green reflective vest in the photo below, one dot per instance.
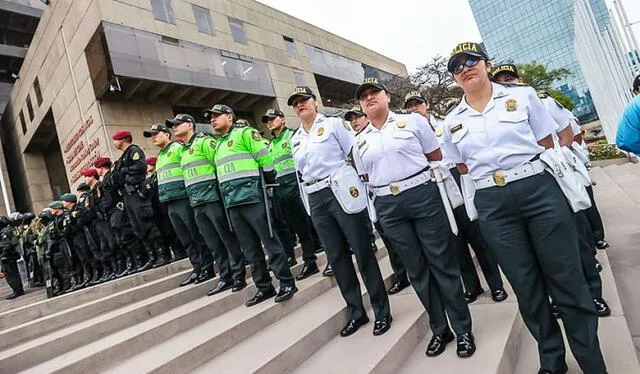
(200, 179)
(287, 195)
(172, 192)
(242, 160)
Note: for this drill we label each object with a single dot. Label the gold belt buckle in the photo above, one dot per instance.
(498, 178)
(394, 189)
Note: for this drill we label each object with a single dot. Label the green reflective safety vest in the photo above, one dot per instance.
(169, 171)
(239, 155)
(199, 169)
(283, 164)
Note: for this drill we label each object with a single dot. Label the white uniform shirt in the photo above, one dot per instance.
(503, 136)
(438, 127)
(396, 151)
(325, 148)
(558, 113)
(575, 127)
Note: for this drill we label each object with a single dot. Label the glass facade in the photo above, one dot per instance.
(546, 35)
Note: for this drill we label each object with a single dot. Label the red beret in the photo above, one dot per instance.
(152, 161)
(121, 134)
(102, 162)
(89, 173)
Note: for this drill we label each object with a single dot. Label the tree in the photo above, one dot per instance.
(563, 99)
(397, 88)
(539, 77)
(436, 83)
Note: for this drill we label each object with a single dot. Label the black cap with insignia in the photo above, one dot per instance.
(156, 128)
(449, 104)
(509, 69)
(271, 114)
(636, 83)
(218, 109)
(300, 91)
(414, 95)
(356, 111)
(469, 49)
(370, 82)
(178, 119)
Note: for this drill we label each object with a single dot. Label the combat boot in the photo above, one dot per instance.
(84, 279)
(95, 277)
(73, 285)
(163, 259)
(149, 264)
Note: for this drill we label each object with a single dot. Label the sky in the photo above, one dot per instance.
(409, 31)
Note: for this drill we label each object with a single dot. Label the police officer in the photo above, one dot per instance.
(76, 219)
(244, 164)
(172, 192)
(198, 166)
(359, 121)
(321, 146)
(131, 170)
(507, 74)
(100, 264)
(287, 193)
(496, 136)
(9, 257)
(470, 233)
(396, 151)
(58, 252)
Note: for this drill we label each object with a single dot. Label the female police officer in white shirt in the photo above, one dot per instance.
(395, 150)
(321, 146)
(496, 135)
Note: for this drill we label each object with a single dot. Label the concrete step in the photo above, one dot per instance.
(32, 296)
(283, 346)
(17, 316)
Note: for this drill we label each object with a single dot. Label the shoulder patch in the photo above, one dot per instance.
(543, 95)
(256, 136)
(212, 144)
(136, 156)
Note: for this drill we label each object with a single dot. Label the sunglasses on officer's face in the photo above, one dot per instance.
(470, 62)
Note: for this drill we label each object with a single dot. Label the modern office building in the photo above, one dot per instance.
(578, 35)
(95, 66)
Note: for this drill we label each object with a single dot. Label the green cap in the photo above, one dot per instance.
(56, 205)
(83, 187)
(69, 197)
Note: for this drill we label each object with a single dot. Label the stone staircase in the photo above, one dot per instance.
(145, 323)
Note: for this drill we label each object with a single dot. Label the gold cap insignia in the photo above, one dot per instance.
(229, 143)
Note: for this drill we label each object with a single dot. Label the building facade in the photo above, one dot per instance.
(560, 34)
(96, 66)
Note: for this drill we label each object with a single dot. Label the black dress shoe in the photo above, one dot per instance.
(398, 286)
(438, 343)
(220, 287)
(307, 271)
(602, 244)
(238, 285)
(261, 296)
(471, 296)
(190, 279)
(466, 345)
(286, 293)
(15, 294)
(499, 294)
(602, 307)
(380, 326)
(291, 261)
(352, 326)
(205, 275)
(328, 271)
(562, 370)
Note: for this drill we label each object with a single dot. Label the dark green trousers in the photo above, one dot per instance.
(593, 216)
(399, 271)
(292, 212)
(214, 228)
(585, 240)
(532, 234)
(250, 222)
(11, 273)
(338, 232)
(184, 224)
(416, 223)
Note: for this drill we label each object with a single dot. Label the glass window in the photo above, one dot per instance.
(237, 31)
(162, 10)
(290, 45)
(203, 20)
(36, 88)
(30, 108)
(298, 75)
(23, 123)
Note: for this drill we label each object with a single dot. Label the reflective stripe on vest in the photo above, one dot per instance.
(239, 174)
(198, 179)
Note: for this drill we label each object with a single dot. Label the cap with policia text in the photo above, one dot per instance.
(178, 119)
(414, 95)
(356, 111)
(300, 91)
(469, 49)
(271, 114)
(218, 109)
(370, 82)
(509, 69)
(156, 128)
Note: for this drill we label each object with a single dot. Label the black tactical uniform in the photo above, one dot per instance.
(58, 254)
(161, 215)
(100, 234)
(8, 258)
(82, 244)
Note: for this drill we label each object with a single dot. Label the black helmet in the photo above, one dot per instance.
(28, 217)
(4, 221)
(46, 216)
(15, 217)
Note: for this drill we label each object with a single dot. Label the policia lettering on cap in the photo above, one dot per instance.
(321, 147)
(411, 210)
(243, 163)
(521, 208)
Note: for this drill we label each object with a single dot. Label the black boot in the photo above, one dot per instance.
(163, 258)
(149, 263)
(84, 279)
(73, 285)
(124, 266)
(95, 276)
(107, 273)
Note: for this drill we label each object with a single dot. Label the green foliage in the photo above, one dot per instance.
(539, 77)
(605, 152)
(562, 99)
(436, 83)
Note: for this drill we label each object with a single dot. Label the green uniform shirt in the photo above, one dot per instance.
(239, 156)
(169, 171)
(283, 164)
(199, 168)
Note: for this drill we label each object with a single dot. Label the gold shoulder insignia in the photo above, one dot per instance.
(456, 128)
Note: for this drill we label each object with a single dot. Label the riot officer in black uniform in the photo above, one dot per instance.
(74, 227)
(8, 258)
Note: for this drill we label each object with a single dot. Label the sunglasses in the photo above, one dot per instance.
(470, 62)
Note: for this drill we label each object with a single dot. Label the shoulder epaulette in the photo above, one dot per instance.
(438, 115)
(402, 111)
(543, 94)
